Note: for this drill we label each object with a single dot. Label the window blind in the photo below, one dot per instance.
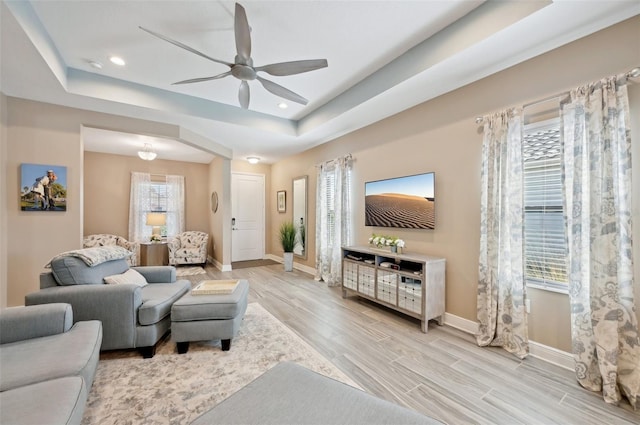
(544, 228)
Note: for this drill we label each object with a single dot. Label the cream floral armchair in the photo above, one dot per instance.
(188, 247)
(106, 239)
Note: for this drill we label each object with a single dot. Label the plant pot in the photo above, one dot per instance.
(288, 261)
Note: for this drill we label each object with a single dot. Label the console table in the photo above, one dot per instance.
(154, 254)
(411, 283)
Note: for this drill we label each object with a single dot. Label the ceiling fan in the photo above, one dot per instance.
(242, 68)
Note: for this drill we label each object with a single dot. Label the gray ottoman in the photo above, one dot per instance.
(207, 317)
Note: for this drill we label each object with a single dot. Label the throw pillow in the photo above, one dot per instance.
(130, 276)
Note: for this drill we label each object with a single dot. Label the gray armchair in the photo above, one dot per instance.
(132, 316)
(48, 364)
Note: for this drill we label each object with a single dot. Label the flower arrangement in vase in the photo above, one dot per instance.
(380, 241)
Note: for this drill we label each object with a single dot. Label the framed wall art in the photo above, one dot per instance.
(282, 201)
(43, 187)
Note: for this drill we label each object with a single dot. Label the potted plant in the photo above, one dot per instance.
(287, 236)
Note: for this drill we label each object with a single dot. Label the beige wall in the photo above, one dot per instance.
(441, 136)
(107, 182)
(219, 182)
(39, 134)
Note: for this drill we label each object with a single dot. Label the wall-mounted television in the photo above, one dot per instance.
(402, 202)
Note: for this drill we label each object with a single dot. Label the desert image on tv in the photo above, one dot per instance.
(399, 210)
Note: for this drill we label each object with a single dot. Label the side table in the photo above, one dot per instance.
(154, 254)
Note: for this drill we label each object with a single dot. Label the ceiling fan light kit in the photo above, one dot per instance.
(242, 68)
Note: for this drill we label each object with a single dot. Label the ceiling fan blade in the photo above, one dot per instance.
(280, 91)
(243, 34)
(243, 95)
(294, 67)
(199, 80)
(184, 46)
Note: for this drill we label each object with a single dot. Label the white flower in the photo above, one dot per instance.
(383, 241)
(400, 243)
(371, 239)
(376, 240)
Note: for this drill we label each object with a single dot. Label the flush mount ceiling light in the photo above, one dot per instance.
(253, 159)
(117, 60)
(146, 153)
(96, 64)
(282, 105)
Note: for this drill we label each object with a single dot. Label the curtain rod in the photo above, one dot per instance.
(633, 73)
(347, 156)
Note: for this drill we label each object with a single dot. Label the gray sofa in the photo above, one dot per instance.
(47, 363)
(131, 316)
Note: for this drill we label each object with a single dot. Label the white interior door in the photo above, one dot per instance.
(247, 212)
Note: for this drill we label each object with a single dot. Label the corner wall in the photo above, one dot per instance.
(220, 182)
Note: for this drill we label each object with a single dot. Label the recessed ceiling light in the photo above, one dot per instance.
(117, 60)
(96, 64)
(282, 105)
(253, 159)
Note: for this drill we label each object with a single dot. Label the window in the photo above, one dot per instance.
(333, 217)
(158, 201)
(545, 245)
(149, 194)
(330, 182)
(158, 196)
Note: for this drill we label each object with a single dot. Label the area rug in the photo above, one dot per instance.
(173, 388)
(189, 271)
(252, 263)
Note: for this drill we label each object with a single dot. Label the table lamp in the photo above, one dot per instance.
(156, 220)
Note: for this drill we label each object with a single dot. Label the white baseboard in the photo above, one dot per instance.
(543, 352)
(552, 355)
(218, 265)
(465, 325)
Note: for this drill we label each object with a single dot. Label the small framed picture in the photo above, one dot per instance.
(282, 201)
(43, 187)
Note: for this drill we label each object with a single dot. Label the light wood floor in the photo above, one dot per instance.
(443, 373)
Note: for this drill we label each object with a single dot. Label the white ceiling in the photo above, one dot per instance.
(384, 57)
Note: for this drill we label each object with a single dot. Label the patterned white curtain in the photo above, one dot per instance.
(597, 174)
(333, 218)
(501, 285)
(175, 205)
(139, 204)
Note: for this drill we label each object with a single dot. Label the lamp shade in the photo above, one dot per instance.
(156, 219)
